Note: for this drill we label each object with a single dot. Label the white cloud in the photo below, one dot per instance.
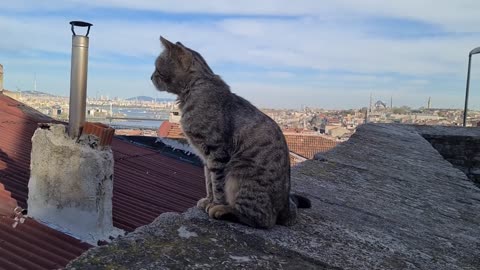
(457, 16)
(324, 37)
(298, 43)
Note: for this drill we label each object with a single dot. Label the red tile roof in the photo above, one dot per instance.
(128, 132)
(102, 131)
(307, 145)
(170, 130)
(146, 184)
(299, 141)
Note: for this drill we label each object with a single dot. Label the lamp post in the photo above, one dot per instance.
(472, 52)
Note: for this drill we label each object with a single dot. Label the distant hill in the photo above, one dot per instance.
(36, 93)
(146, 98)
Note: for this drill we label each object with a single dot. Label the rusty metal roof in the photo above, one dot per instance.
(146, 184)
(32, 245)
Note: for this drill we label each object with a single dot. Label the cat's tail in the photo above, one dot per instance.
(300, 201)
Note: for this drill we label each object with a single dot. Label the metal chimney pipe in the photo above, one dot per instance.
(78, 80)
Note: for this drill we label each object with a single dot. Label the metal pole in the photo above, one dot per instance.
(466, 92)
(78, 80)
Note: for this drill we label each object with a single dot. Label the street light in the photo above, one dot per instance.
(474, 51)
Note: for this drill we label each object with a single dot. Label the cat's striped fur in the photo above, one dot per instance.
(247, 165)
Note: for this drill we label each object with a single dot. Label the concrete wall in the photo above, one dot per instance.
(462, 151)
(71, 184)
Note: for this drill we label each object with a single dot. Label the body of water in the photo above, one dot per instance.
(136, 113)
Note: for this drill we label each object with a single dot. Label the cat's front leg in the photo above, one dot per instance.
(204, 202)
(217, 165)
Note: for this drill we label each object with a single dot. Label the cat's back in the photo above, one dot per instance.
(257, 133)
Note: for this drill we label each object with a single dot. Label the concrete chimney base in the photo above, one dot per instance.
(71, 184)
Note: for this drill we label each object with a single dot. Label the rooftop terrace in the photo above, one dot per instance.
(385, 199)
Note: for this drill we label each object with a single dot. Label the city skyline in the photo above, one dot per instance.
(277, 54)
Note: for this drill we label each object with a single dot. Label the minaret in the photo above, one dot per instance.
(370, 108)
(429, 104)
(391, 102)
(366, 116)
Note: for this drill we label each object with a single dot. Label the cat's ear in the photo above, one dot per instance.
(167, 44)
(185, 56)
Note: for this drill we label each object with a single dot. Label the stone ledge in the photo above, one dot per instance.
(385, 199)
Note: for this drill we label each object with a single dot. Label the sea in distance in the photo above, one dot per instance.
(156, 116)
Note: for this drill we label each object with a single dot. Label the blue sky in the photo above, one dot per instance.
(276, 53)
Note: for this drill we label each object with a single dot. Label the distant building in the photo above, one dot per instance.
(380, 105)
(14, 95)
(174, 116)
(56, 110)
(97, 113)
(338, 132)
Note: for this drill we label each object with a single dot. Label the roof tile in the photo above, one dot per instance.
(170, 130)
(307, 145)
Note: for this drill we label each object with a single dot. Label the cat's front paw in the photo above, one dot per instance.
(203, 203)
(218, 211)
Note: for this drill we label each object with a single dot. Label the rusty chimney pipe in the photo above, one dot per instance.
(78, 80)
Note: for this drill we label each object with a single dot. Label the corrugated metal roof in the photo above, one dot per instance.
(32, 245)
(146, 184)
(7, 203)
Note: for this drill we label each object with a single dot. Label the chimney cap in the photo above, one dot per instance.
(80, 24)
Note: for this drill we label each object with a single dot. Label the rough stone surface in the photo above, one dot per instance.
(70, 186)
(459, 146)
(385, 199)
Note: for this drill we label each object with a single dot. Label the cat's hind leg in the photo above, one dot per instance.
(247, 206)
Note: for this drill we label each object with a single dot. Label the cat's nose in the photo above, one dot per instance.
(151, 77)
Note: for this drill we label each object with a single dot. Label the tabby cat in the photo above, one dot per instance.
(245, 156)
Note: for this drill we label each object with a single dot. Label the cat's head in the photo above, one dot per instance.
(177, 66)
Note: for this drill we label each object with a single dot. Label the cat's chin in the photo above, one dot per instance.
(160, 88)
